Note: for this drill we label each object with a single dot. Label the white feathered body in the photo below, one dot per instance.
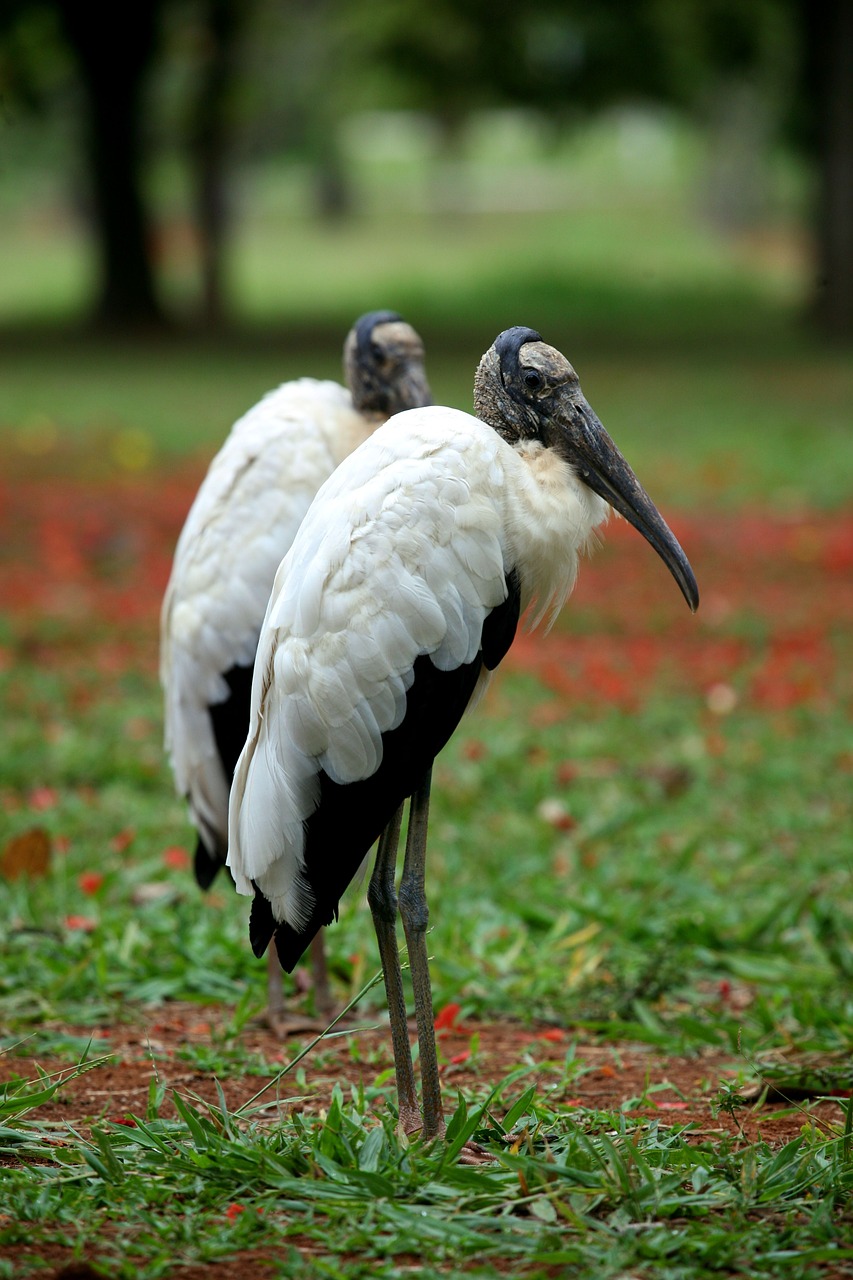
(405, 552)
(242, 522)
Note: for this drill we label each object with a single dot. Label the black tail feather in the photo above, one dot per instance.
(291, 946)
(206, 865)
(262, 924)
(230, 721)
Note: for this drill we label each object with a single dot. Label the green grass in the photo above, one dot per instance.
(625, 922)
(593, 1194)
(623, 927)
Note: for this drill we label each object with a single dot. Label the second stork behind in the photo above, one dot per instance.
(242, 522)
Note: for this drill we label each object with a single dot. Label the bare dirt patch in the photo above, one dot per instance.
(682, 1090)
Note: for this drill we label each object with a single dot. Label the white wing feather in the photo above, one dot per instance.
(241, 524)
(404, 552)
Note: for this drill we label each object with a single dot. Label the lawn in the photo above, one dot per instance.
(640, 884)
(640, 869)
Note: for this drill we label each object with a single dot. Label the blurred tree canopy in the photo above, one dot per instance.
(253, 76)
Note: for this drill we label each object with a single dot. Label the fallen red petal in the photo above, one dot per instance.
(83, 924)
(446, 1018)
(42, 798)
(176, 857)
(90, 881)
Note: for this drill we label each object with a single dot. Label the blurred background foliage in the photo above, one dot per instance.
(636, 171)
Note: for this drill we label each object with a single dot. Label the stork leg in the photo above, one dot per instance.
(415, 914)
(276, 1015)
(382, 897)
(323, 1001)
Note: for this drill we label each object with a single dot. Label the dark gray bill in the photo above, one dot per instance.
(602, 467)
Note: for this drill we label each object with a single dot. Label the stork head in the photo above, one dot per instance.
(384, 365)
(528, 391)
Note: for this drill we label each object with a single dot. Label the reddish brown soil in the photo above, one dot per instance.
(674, 1090)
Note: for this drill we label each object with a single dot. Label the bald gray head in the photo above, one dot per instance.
(529, 392)
(384, 365)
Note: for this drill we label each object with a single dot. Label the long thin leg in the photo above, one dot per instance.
(275, 990)
(278, 1018)
(323, 1002)
(382, 897)
(415, 913)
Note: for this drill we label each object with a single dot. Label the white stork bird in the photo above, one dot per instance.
(400, 595)
(241, 524)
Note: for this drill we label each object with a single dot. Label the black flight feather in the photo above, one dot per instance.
(230, 720)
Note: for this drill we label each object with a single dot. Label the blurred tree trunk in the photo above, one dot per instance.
(209, 144)
(829, 28)
(324, 55)
(114, 48)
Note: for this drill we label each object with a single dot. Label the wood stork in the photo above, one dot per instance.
(240, 525)
(400, 595)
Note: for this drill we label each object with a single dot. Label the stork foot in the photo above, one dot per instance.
(473, 1154)
(326, 1007)
(410, 1123)
(283, 1025)
(281, 1019)
(410, 1126)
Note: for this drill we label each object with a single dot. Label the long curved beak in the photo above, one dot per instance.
(584, 442)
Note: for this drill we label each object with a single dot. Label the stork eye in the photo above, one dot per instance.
(377, 352)
(532, 380)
